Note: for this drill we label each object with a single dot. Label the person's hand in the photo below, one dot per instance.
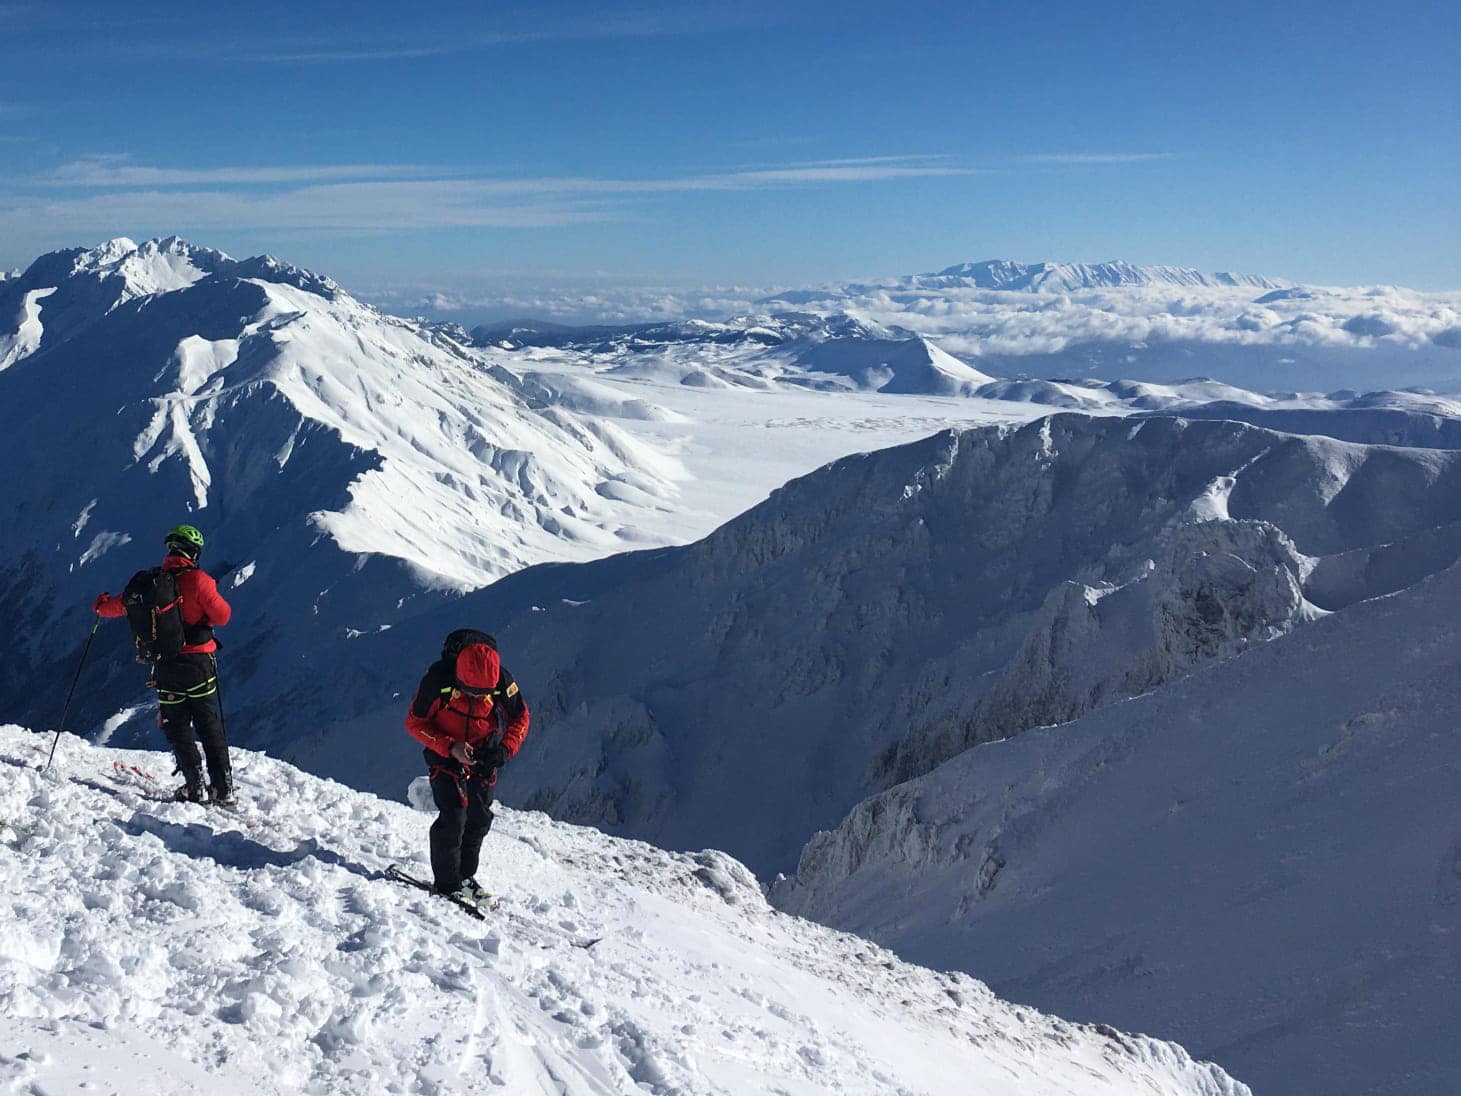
(462, 753)
(101, 599)
(494, 756)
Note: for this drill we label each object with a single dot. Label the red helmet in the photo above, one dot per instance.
(477, 669)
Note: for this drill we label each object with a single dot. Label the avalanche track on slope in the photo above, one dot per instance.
(160, 946)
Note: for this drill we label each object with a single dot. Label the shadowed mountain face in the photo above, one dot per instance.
(862, 626)
(1233, 860)
(883, 614)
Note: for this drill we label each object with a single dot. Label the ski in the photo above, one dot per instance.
(400, 876)
(142, 782)
(134, 777)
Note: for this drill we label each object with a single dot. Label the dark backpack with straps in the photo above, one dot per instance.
(155, 613)
(461, 639)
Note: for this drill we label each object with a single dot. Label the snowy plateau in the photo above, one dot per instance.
(951, 607)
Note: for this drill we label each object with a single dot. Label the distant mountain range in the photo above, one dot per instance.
(1069, 277)
(1009, 276)
(1107, 321)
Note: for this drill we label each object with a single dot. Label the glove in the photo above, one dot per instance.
(101, 600)
(493, 757)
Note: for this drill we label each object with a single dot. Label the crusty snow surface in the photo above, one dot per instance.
(157, 947)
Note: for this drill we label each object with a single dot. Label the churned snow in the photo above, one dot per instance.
(160, 947)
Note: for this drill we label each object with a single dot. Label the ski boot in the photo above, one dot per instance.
(475, 891)
(191, 793)
(462, 892)
(222, 795)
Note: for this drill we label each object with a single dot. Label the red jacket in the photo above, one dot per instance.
(202, 603)
(442, 713)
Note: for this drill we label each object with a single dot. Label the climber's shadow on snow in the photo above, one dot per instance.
(230, 848)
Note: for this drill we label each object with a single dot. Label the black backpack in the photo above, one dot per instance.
(463, 638)
(155, 613)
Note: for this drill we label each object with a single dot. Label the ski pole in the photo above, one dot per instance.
(74, 682)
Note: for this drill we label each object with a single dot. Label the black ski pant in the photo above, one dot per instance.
(464, 806)
(187, 696)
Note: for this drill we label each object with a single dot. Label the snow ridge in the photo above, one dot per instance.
(160, 946)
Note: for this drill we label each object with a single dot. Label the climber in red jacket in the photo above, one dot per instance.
(471, 717)
(187, 682)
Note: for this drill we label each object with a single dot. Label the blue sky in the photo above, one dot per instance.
(769, 144)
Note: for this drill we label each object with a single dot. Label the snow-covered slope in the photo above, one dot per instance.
(350, 468)
(1262, 860)
(876, 618)
(182, 366)
(158, 947)
(354, 472)
(346, 466)
(803, 350)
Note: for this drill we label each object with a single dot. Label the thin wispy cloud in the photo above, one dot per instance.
(437, 183)
(361, 209)
(923, 158)
(116, 171)
(850, 173)
(627, 24)
(1082, 158)
(389, 197)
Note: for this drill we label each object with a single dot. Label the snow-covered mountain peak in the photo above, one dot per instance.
(156, 266)
(106, 253)
(1069, 277)
(269, 269)
(191, 358)
(157, 946)
(125, 270)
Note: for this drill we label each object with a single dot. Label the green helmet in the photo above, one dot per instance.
(187, 539)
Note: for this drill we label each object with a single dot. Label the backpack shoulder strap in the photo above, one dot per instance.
(436, 684)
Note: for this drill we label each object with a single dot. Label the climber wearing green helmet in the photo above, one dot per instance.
(172, 611)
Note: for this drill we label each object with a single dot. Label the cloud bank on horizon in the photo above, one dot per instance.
(972, 321)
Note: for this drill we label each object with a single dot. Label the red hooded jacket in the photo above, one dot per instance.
(443, 713)
(202, 603)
